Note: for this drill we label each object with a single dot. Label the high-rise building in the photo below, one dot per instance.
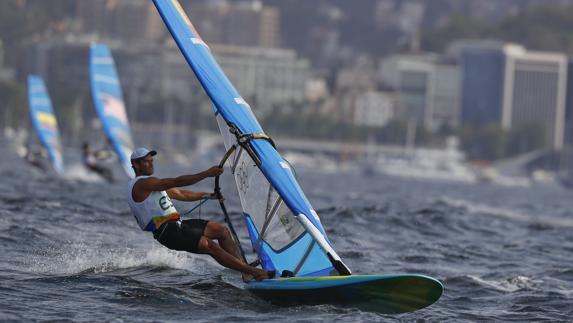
(412, 77)
(91, 16)
(444, 97)
(269, 30)
(413, 90)
(126, 20)
(264, 76)
(513, 87)
(246, 23)
(535, 92)
(135, 20)
(482, 73)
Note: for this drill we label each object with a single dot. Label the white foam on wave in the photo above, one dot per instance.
(508, 285)
(79, 258)
(507, 213)
(79, 172)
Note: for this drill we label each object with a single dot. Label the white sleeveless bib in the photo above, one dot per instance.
(152, 212)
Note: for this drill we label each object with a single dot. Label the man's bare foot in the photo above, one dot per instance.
(247, 277)
(260, 275)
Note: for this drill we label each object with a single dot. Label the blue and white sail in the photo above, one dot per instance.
(44, 121)
(284, 229)
(109, 104)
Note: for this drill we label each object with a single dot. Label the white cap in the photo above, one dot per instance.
(142, 152)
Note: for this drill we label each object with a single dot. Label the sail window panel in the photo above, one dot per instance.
(283, 228)
(257, 200)
(228, 137)
(253, 188)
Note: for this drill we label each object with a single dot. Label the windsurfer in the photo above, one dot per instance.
(90, 160)
(35, 157)
(149, 200)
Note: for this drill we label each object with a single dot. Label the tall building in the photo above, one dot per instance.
(265, 77)
(513, 87)
(444, 97)
(535, 87)
(413, 90)
(126, 20)
(269, 31)
(135, 20)
(428, 92)
(91, 16)
(482, 72)
(246, 23)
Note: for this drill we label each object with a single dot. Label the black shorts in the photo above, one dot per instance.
(182, 236)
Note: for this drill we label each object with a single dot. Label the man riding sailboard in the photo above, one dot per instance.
(149, 199)
(285, 231)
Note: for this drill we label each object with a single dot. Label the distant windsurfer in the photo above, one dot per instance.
(149, 200)
(90, 160)
(35, 157)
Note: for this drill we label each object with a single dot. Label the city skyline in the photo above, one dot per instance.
(427, 88)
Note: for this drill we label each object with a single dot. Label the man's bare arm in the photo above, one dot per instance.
(186, 195)
(144, 187)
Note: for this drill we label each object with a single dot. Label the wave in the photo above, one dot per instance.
(535, 222)
(82, 258)
(507, 285)
(510, 284)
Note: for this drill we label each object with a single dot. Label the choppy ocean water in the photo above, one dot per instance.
(72, 251)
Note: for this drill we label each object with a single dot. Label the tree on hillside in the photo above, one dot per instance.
(459, 27)
(545, 28)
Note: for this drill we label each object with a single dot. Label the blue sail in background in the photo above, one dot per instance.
(44, 121)
(284, 229)
(109, 104)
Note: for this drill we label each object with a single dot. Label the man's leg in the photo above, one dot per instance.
(226, 259)
(221, 233)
